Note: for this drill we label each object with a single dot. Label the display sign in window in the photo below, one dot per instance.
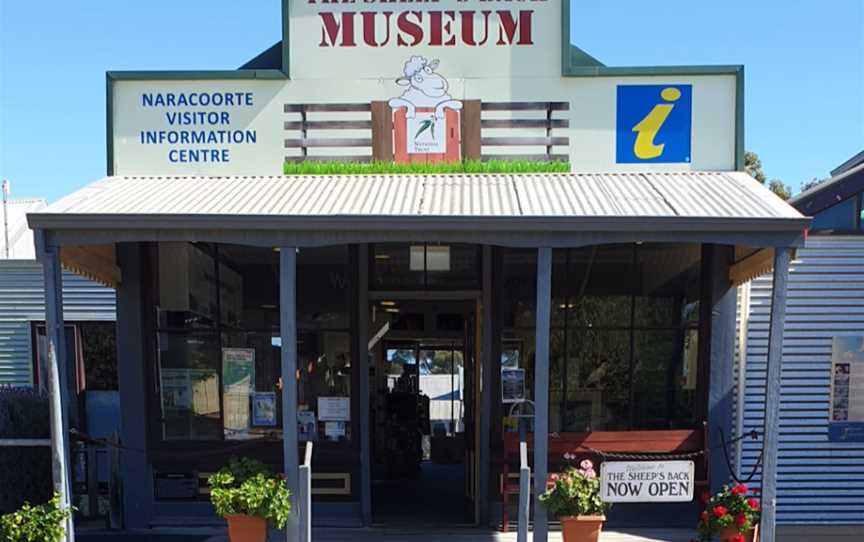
(846, 418)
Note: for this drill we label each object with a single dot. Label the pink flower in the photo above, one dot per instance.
(589, 473)
(586, 464)
(568, 457)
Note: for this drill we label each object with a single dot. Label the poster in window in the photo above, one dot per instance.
(307, 426)
(264, 409)
(334, 409)
(176, 389)
(238, 382)
(512, 385)
(846, 411)
(238, 369)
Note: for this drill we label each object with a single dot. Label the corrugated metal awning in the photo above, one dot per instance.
(604, 198)
(518, 210)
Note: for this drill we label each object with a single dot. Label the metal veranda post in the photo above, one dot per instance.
(57, 383)
(288, 332)
(541, 388)
(782, 257)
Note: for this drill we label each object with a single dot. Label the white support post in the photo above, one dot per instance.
(524, 493)
(541, 389)
(288, 331)
(782, 257)
(304, 499)
(57, 382)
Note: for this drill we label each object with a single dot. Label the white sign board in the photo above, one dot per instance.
(647, 481)
(334, 409)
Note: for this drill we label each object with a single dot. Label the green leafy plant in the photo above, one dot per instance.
(247, 487)
(576, 492)
(24, 414)
(468, 166)
(43, 523)
(732, 507)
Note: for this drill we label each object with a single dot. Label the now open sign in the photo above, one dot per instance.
(647, 481)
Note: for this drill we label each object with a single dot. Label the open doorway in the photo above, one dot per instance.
(422, 409)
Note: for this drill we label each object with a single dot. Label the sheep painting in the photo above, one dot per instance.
(426, 88)
(424, 101)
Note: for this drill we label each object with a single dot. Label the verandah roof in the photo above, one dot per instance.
(547, 209)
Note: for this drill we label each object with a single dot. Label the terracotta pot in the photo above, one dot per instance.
(728, 534)
(582, 528)
(242, 528)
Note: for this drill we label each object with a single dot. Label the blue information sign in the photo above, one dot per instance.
(654, 124)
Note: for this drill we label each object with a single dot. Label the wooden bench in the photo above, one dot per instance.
(581, 444)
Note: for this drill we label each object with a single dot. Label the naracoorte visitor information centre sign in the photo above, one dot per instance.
(427, 61)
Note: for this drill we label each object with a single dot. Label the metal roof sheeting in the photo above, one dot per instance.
(20, 236)
(818, 481)
(703, 195)
(22, 302)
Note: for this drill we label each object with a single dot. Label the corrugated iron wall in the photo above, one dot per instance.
(22, 301)
(818, 481)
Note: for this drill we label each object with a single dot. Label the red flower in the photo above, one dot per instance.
(740, 520)
(740, 489)
(704, 515)
(754, 504)
(705, 497)
(720, 511)
(738, 538)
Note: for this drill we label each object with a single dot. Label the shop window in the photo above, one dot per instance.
(189, 381)
(324, 387)
(404, 266)
(624, 334)
(220, 344)
(841, 217)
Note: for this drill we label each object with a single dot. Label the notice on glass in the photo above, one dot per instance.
(334, 409)
(307, 426)
(238, 369)
(512, 385)
(846, 414)
(176, 389)
(334, 430)
(264, 409)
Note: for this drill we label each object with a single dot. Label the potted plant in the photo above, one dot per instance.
(732, 515)
(249, 497)
(43, 523)
(574, 497)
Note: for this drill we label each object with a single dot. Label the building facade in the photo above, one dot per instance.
(260, 307)
(820, 456)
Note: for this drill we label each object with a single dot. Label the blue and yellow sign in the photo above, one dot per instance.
(654, 124)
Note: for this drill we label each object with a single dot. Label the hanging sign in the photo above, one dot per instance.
(846, 416)
(647, 481)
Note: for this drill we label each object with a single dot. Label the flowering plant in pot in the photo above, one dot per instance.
(574, 497)
(732, 515)
(249, 497)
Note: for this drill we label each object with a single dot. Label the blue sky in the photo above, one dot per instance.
(804, 62)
